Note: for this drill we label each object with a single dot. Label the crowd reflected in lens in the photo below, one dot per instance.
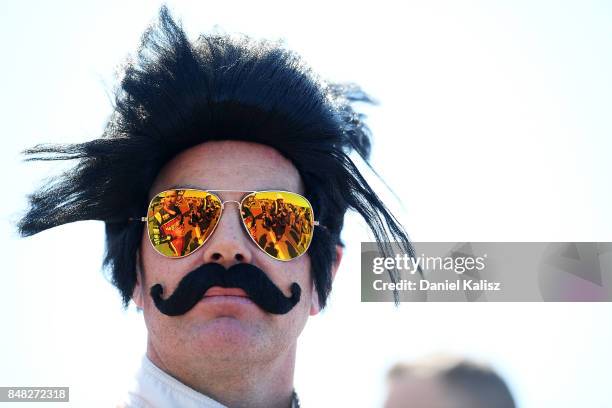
(180, 221)
(280, 223)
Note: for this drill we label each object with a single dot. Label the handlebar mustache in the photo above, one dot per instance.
(192, 287)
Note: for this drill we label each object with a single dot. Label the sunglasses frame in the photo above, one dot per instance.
(212, 192)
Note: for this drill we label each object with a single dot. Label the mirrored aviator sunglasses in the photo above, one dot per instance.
(180, 221)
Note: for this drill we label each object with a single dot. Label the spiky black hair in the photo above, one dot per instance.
(179, 93)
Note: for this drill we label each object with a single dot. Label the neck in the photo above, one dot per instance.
(265, 384)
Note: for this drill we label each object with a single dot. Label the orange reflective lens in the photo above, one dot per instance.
(280, 223)
(180, 221)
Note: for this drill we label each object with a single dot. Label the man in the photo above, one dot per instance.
(446, 382)
(225, 127)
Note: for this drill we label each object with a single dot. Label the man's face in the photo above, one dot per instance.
(170, 198)
(224, 328)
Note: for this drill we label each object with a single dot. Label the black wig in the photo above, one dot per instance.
(178, 94)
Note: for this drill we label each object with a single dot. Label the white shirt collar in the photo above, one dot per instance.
(153, 388)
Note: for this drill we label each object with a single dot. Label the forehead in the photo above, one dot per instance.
(229, 165)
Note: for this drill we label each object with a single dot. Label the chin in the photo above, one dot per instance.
(226, 334)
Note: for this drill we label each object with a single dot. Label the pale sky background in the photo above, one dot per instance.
(494, 124)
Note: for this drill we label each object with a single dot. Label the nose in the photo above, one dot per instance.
(229, 244)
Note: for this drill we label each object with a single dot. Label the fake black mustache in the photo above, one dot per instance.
(260, 289)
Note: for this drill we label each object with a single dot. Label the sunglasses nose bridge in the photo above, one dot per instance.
(224, 246)
(229, 201)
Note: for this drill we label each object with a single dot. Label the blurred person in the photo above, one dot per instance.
(446, 382)
(205, 136)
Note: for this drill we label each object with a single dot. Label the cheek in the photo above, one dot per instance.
(285, 273)
(300, 273)
(159, 269)
(305, 272)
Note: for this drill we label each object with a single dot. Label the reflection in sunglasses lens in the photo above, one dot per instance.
(280, 223)
(180, 221)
